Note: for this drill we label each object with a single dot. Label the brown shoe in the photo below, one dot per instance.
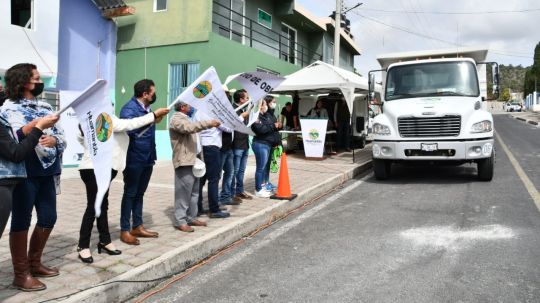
(128, 238)
(197, 223)
(35, 251)
(244, 195)
(141, 232)
(185, 228)
(22, 279)
(236, 200)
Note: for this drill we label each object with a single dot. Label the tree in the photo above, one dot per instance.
(505, 96)
(533, 74)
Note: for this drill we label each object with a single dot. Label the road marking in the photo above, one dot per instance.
(454, 239)
(182, 289)
(521, 173)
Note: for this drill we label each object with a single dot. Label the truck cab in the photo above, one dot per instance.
(433, 110)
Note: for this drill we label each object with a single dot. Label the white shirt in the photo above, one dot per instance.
(211, 136)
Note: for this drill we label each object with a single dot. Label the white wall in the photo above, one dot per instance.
(16, 46)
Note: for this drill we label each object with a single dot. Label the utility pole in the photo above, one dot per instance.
(337, 32)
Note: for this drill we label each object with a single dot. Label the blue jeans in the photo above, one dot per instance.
(212, 160)
(136, 181)
(34, 191)
(262, 164)
(227, 166)
(240, 163)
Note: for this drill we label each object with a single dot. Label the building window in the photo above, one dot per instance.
(22, 13)
(229, 17)
(288, 43)
(160, 5)
(264, 18)
(181, 75)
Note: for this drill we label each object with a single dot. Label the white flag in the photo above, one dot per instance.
(257, 85)
(93, 108)
(206, 95)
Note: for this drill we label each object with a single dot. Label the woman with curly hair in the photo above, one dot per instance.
(39, 189)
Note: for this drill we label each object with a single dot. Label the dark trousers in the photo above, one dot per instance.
(6, 200)
(89, 179)
(212, 160)
(136, 181)
(39, 192)
(343, 135)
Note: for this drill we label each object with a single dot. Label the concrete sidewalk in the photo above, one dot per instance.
(173, 251)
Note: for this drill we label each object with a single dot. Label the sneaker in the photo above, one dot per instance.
(219, 215)
(270, 187)
(263, 193)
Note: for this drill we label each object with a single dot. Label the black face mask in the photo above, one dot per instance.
(38, 89)
(153, 99)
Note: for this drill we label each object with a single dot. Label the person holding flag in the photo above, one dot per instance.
(39, 189)
(187, 150)
(141, 157)
(86, 170)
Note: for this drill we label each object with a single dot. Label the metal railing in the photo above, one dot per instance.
(235, 26)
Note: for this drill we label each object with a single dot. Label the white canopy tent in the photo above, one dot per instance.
(323, 78)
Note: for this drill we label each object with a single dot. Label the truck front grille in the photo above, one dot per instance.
(446, 126)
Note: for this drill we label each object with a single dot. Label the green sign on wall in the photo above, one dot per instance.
(265, 18)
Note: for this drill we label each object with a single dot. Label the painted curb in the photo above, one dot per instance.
(190, 254)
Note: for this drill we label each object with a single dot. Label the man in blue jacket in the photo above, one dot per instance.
(141, 156)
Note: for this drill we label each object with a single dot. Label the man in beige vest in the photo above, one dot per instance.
(186, 148)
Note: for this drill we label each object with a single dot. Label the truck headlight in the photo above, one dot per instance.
(381, 129)
(481, 127)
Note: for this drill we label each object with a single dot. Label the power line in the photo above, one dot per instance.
(451, 13)
(404, 29)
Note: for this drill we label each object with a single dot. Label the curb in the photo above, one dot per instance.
(529, 121)
(190, 254)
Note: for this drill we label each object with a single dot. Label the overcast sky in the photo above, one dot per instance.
(510, 36)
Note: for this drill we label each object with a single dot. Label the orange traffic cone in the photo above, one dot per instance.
(284, 186)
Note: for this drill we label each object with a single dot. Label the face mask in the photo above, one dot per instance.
(154, 97)
(38, 89)
(273, 105)
(191, 112)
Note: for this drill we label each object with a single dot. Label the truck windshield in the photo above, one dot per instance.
(432, 79)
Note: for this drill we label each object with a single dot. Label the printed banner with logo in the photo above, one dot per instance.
(93, 108)
(313, 136)
(257, 85)
(206, 95)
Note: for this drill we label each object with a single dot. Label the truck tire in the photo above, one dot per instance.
(382, 169)
(485, 168)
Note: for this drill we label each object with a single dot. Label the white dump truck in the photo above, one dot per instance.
(433, 110)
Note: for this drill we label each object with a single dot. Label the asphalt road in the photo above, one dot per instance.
(429, 234)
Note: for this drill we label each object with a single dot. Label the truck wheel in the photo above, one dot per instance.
(485, 168)
(381, 168)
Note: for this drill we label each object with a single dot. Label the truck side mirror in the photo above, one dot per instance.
(371, 83)
(496, 79)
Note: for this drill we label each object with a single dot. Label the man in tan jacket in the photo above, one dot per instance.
(186, 147)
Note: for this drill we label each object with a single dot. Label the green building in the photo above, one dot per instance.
(173, 41)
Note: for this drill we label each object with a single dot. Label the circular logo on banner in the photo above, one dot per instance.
(313, 134)
(202, 89)
(104, 127)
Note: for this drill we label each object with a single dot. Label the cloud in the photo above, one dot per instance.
(511, 37)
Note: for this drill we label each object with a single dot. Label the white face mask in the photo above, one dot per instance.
(273, 105)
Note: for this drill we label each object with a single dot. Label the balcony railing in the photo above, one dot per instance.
(235, 26)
